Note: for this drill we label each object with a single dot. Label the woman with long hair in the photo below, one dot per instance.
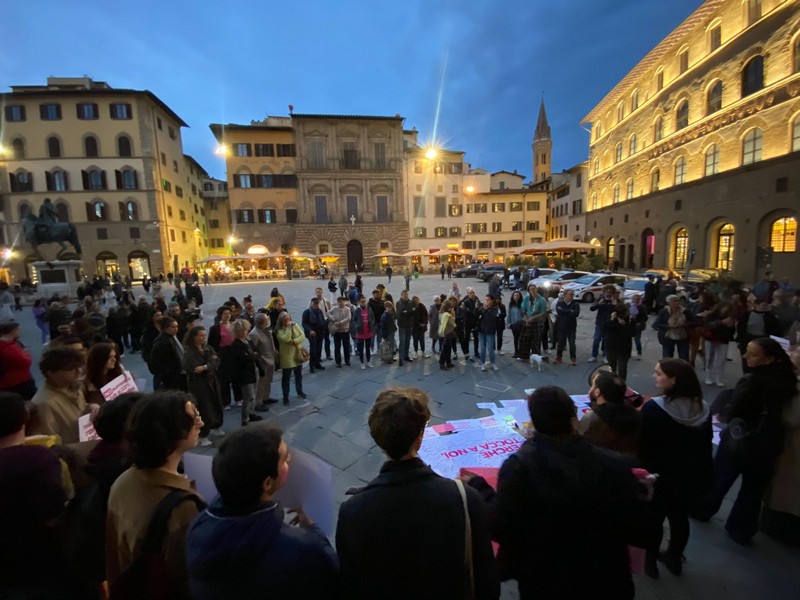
(515, 319)
(754, 439)
(102, 365)
(675, 442)
(220, 338)
(201, 364)
(243, 370)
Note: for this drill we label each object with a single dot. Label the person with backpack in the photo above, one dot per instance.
(152, 494)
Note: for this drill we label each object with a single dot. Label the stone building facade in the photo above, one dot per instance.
(567, 217)
(694, 156)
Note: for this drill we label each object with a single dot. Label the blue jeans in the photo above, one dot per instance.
(405, 342)
(670, 346)
(486, 340)
(598, 342)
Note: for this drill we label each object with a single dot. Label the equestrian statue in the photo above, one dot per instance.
(46, 229)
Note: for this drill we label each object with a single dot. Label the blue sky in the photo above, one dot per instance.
(480, 65)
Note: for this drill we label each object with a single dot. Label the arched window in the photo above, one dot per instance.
(128, 179)
(634, 100)
(99, 211)
(594, 201)
(796, 135)
(616, 193)
(655, 180)
(131, 212)
(753, 76)
(725, 244)
(712, 160)
(598, 130)
(53, 147)
(611, 247)
(658, 129)
(618, 153)
(63, 212)
(680, 171)
(629, 189)
(18, 148)
(58, 181)
(90, 146)
(714, 98)
(751, 146)
(682, 115)
(596, 166)
(783, 235)
(124, 146)
(24, 210)
(796, 54)
(632, 148)
(94, 179)
(681, 249)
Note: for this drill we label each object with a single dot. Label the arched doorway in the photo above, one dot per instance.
(139, 264)
(725, 246)
(648, 248)
(681, 249)
(107, 264)
(621, 255)
(355, 256)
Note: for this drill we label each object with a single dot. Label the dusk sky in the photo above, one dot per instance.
(481, 65)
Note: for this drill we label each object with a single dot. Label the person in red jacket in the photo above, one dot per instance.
(15, 363)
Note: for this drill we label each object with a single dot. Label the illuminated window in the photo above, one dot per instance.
(629, 190)
(783, 235)
(658, 129)
(681, 249)
(714, 98)
(616, 193)
(655, 180)
(611, 247)
(680, 171)
(751, 146)
(725, 246)
(796, 135)
(712, 160)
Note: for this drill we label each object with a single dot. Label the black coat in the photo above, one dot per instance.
(619, 337)
(165, 364)
(242, 362)
(402, 537)
(564, 513)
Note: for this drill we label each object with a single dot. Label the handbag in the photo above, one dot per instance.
(470, 567)
(301, 355)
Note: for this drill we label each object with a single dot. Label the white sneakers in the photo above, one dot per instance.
(495, 367)
(483, 367)
(592, 359)
(370, 365)
(205, 442)
(363, 366)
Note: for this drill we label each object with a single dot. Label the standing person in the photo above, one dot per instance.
(364, 325)
(486, 327)
(612, 423)
(467, 314)
(314, 328)
(166, 358)
(359, 284)
(244, 370)
(59, 402)
(419, 327)
(447, 334)
(290, 339)
(719, 331)
(250, 466)
(494, 287)
(604, 306)
(15, 363)
(388, 327)
(568, 311)
(673, 324)
(260, 338)
(151, 332)
(433, 322)
(757, 321)
(454, 291)
(406, 315)
(382, 529)
(675, 443)
(751, 447)
(389, 271)
(442, 270)
(138, 319)
(501, 324)
(534, 311)
(339, 321)
(342, 285)
(650, 294)
(325, 307)
(332, 285)
(638, 313)
(449, 271)
(618, 333)
(102, 366)
(376, 306)
(201, 362)
(162, 427)
(516, 320)
(39, 309)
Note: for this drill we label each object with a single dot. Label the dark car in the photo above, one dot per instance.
(489, 271)
(468, 271)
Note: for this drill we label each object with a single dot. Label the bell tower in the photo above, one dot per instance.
(542, 148)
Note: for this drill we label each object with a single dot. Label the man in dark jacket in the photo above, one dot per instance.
(561, 502)
(567, 310)
(166, 358)
(406, 316)
(240, 547)
(314, 328)
(604, 306)
(402, 536)
(376, 306)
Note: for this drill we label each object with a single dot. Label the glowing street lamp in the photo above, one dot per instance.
(469, 189)
(222, 150)
(430, 153)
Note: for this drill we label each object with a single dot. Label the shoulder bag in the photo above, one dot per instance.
(467, 543)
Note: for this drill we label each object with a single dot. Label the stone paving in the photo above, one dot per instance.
(332, 424)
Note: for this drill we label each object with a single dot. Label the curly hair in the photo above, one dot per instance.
(157, 425)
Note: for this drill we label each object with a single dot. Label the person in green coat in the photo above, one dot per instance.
(290, 338)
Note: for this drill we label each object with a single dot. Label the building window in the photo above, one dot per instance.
(618, 153)
(516, 226)
(634, 100)
(243, 180)
(166, 185)
(244, 216)
(497, 227)
(596, 166)
(63, 212)
(286, 150)
(419, 206)
(796, 135)
(632, 145)
(90, 147)
(629, 189)
(725, 247)
(53, 147)
(753, 76)
(655, 180)
(22, 181)
(242, 150)
(291, 216)
(135, 233)
(683, 61)
(753, 11)
(680, 171)
(419, 232)
(175, 165)
(455, 168)
(417, 166)
(498, 207)
(440, 232)
(620, 111)
(440, 207)
(127, 180)
(681, 249)
(56, 181)
(121, 111)
(380, 155)
(783, 235)
(169, 211)
(50, 112)
(616, 193)
(534, 206)
(316, 154)
(163, 159)
(382, 205)
(321, 209)
(130, 211)
(658, 129)
(594, 201)
(515, 207)
(682, 115)
(15, 113)
(98, 211)
(351, 203)
(751, 146)
(455, 232)
(714, 98)
(18, 149)
(124, 146)
(714, 38)
(102, 233)
(158, 124)
(87, 111)
(659, 80)
(94, 179)
(265, 149)
(795, 55)
(179, 191)
(182, 214)
(532, 226)
(183, 237)
(268, 216)
(611, 248)
(171, 133)
(712, 160)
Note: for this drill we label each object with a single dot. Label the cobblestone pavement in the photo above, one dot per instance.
(332, 425)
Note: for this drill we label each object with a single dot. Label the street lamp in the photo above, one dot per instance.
(222, 150)
(430, 153)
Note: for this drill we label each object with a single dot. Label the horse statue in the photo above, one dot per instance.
(45, 230)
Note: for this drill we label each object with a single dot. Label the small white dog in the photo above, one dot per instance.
(537, 360)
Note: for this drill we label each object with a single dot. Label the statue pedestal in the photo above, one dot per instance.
(62, 277)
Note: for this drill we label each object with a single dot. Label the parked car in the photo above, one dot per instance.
(468, 271)
(588, 287)
(489, 271)
(556, 279)
(635, 285)
(704, 275)
(662, 273)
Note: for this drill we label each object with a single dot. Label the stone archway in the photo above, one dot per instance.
(355, 256)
